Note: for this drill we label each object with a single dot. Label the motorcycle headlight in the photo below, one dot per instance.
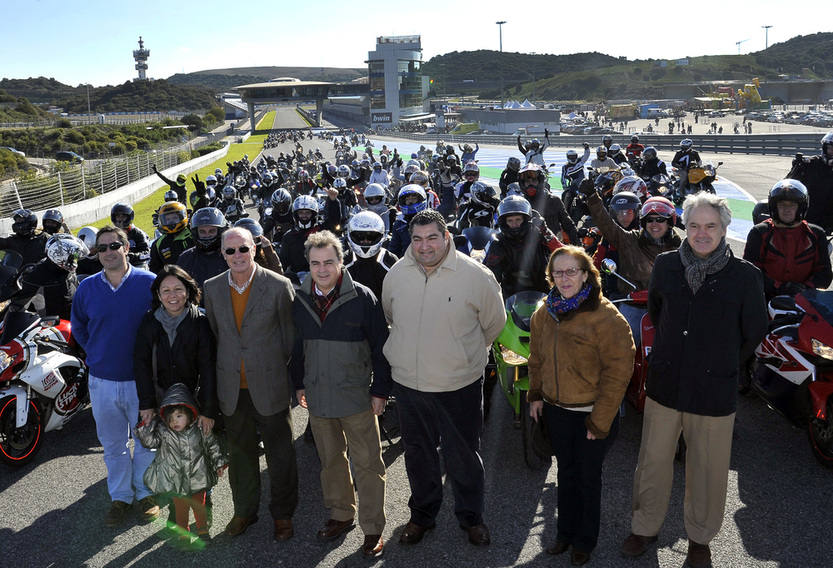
(822, 350)
(5, 361)
(478, 254)
(511, 357)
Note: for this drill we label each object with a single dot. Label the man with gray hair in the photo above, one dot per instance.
(709, 312)
(341, 331)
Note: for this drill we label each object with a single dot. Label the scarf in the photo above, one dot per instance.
(169, 322)
(697, 269)
(556, 305)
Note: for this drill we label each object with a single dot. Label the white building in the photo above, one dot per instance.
(397, 88)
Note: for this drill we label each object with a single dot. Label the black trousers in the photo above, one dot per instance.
(579, 475)
(452, 420)
(244, 464)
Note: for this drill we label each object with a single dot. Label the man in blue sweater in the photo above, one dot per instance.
(106, 313)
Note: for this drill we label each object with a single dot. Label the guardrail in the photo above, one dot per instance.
(311, 118)
(116, 118)
(766, 144)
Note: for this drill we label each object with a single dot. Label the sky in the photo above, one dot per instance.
(91, 41)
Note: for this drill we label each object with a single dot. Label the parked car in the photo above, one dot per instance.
(13, 151)
(67, 156)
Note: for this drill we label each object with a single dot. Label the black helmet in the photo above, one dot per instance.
(52, 221)
(686, 144)
(535, 144)
(514, 205)
(251, 225)
(117, 211)
(826, 141)
(650, 153)
(281, 201)
(24, 222)
(208, 217)
(788, 190)
(635, 139)
(607, 140)
(513, 164)
(625, 200)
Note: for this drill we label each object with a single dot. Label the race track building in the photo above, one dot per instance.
(398, 90)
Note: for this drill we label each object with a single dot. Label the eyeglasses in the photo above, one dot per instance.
(242, 248)
(570, 273)
(115, 245)
(656, 220)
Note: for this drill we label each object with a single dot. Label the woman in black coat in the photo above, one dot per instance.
(175, 344)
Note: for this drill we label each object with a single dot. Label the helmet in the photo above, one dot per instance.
(419, 177)
(607, 140)
(635, 139)
(365, 233)
(377, 165)
(181, 179)
(87, 235)
(253, 226)
(685, 144)
(410, 190)
(64, 250)
(365, 163)
(624, 201)
(305, 203)
(267, 179)
(525, 178)
(281, 201)
(229, 192)
(826, 141)
(572, 156)
(658, 206)
(513, 188)
(482, 194)
(343, 171)
(535, 144)
(340, 183)
(121, 210)
(513, 164)
(332, 170)
(601, 152)
(383, 158)
(218, 172)
(373, 191)
(354, 164)
(472, 168)
(173, 217)
(615, 149)
(411, 169)
(650, 154)
(208, 217)
(171, 195)
(52, 221)
(632, 184)
(211, 180)
(303, 175)
(451, 160)
(24, 222)
(788, 190)
(514, 205)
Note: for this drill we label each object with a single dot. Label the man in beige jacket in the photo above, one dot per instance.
(444, 310)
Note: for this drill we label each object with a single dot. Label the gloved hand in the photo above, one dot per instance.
(200, 186)
(153, 167)
(586, 187)
(586, 145)
(792, 288)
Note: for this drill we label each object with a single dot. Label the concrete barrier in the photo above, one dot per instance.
(91, 210)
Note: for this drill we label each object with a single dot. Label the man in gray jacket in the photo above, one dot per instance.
(249, 307)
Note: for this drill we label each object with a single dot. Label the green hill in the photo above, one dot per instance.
(226, 79)
(19, 109)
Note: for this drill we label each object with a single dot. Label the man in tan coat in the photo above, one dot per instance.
(445, 310)
(250, 312)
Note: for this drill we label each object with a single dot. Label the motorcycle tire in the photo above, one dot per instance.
(820, 432)
(534, 461)
(19, 445)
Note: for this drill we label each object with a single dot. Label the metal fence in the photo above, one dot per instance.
(117, 118)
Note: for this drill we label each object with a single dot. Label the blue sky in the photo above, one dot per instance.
(92, 41)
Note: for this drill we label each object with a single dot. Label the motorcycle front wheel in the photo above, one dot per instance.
(820, 432)
(533, 460)
(19, 445)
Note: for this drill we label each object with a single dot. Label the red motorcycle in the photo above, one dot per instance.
(793, 366)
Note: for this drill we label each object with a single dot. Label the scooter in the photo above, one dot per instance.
(511, 353)
(793, 366)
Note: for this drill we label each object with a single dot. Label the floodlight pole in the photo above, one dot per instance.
(766, 36)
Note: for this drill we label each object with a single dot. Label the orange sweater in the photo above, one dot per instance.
(238, 304)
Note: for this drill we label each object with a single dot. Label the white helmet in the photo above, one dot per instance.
(87, 235)
(375, 190)
(65, 250)
(365, 233)
(339, 183)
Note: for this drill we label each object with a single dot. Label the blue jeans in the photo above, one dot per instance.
(116, 410)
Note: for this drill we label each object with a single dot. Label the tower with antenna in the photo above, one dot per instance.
(141, 56)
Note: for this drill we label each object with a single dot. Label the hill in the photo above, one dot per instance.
(19, 109)
(226, 79)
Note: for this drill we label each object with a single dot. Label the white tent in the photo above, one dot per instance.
(527, 104)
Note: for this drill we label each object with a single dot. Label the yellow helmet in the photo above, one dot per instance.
(173, 217)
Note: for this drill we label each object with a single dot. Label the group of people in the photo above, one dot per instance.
(176, 353)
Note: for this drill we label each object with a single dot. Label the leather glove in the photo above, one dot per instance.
(586, 187)
(198, 185)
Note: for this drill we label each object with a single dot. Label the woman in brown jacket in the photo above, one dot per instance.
(580, 362)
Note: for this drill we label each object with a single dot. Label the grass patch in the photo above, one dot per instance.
(465, 128)
(145, 208)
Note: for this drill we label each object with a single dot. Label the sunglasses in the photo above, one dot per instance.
(656, 220)
(243, 249)
(115, 245)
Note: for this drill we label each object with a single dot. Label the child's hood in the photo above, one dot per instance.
(178, 395)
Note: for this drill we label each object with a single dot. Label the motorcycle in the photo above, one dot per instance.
(511, 352)
(478, 240)
(793, 366)
(701, 177)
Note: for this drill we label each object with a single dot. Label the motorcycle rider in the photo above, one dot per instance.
(305, 185)
(376, 199)
(122, 215)
(306, 217)
(616, 154)
(603, 160)
(202, 196)
(53, 222)
(278, 219)
(509, 175)
(534, 188)
(462, 191)
(607, 142)
(816, 174)
(624, 209)
(204, 260)
(651, 164)
(482, 201)
(366, 258)
(176, 238)
(24, 240)
(467, 153)
(634, 149)
(534, 151)
(379, 175)
(572, 173)
(411, 199)
(518, 257)
(790, 252)
(178, 186)
(231, 206)
(685, 158)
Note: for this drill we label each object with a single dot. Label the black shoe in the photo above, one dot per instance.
(560, 547)
(118, 511)
(579, 557)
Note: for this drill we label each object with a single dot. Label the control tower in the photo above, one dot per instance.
(141, 56)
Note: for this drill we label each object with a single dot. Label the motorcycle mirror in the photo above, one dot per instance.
(719, 163)
(609, 266)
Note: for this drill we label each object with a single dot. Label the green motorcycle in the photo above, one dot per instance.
(510, 352)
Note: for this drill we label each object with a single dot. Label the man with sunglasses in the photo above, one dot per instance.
(106, 313)
(249, 307)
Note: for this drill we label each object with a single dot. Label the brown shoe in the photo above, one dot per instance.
(413, 533)
(636, 545)
(333, 529)
(238, 525)
(579, 557)
(560, 547)
(148, 509)
(699, 555)
(118, 511)
(374, 546)
(478, 534)
(283, 529)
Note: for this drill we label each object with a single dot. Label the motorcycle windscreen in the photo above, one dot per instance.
(522, 305)
(15, 323)
(479, 237)
(822, 301)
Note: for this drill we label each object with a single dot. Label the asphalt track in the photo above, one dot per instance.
(778, 507)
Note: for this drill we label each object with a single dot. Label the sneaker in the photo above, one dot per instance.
(118, 511)
(148, 508)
